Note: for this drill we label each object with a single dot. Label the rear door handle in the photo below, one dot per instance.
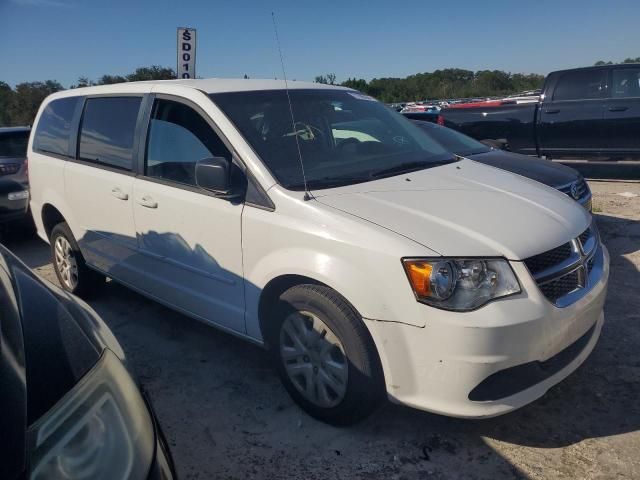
(618, 109)
(148, 202)
(119, 194)
(552, 110)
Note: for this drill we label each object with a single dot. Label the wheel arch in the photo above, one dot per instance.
(272, 291)
(51, 217)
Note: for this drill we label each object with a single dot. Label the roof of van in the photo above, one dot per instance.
(207, 85)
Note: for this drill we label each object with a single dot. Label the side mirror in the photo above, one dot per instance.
(214, 174)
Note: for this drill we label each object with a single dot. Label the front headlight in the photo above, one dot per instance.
(100, 430)
(460, 284)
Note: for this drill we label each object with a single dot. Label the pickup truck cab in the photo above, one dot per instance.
(315, 221)
(591, 112)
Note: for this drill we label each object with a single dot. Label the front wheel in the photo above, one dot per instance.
(325, 356)
(73, 273)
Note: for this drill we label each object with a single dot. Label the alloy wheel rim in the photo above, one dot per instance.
(314, 359)
(66, 263)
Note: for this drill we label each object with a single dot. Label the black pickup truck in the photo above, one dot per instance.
(591, 112)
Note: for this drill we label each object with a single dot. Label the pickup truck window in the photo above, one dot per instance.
(626, 83)
(344, 136)
(580, 85)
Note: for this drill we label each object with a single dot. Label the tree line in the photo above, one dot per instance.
(447, 83)
(19, 105)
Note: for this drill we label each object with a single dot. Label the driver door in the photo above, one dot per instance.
(189, 240)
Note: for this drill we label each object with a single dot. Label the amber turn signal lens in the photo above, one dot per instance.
(419, 274)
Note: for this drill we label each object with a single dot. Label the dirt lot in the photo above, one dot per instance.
(226, 415)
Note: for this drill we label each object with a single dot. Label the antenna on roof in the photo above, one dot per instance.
(307, 193)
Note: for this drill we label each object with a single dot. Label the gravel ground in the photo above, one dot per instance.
(226, 415)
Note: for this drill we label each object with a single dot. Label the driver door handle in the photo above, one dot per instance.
(119, 194)
(148, 202)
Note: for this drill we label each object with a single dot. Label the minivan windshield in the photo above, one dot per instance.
(344, 136)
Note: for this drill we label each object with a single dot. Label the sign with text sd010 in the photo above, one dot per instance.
(186, 53)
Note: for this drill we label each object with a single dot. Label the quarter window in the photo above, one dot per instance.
(580, 85)
(108, 130)
(54, 127)
(178, 138)
(626, 83)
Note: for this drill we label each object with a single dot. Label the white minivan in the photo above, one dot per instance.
(319, 223)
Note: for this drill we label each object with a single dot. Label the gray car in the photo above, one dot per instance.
(14, 186)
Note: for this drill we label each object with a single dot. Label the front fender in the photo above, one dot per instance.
(379, 296)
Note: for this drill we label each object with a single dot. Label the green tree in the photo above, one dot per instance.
(154, 72)
(27, 98)
(110, 79)
(6, 99)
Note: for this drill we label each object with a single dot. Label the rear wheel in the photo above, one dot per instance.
(71, 269)
(325, 356)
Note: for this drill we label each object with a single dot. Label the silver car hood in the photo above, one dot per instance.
(465, 209)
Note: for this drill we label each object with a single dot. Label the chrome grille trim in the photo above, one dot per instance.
(582, 190)
(570, 279)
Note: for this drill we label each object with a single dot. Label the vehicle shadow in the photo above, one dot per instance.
(23, 238)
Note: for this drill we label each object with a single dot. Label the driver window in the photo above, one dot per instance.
(178, 138)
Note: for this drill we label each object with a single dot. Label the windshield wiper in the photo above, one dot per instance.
(411, 167)
(329, 182)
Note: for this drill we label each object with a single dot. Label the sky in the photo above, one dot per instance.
(65, 39)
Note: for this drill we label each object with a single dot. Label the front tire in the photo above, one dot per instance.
(71, 269)
(325, 356)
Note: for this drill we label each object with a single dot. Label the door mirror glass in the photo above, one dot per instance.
(214, 174)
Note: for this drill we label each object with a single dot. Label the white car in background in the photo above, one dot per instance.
(364, 256)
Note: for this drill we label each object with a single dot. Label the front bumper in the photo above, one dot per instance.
(436, 368)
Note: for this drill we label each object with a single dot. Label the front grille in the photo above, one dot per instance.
(584, 236)
(561, 286)
(580, 188)
(548, 259)
(567, 268)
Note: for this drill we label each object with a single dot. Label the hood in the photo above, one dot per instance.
(465, 209)
(543, 171)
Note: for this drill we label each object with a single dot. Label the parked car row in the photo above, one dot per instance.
(357, 246)
(14, 189)
(581, 113)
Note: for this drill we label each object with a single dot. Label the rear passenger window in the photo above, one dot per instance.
(54, 127)
(626, 83)
(178, 138)
(108, 129)
(580, 85)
